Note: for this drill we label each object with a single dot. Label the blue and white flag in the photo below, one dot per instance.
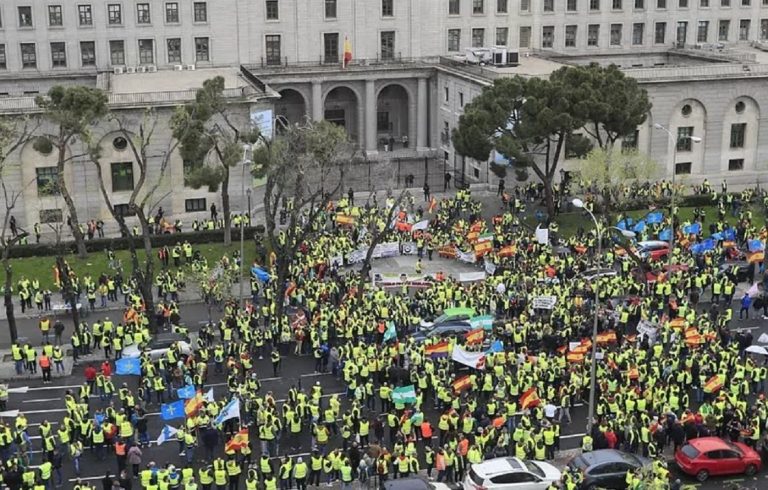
(259, 273)
(166, 434)
(186, 392)
(639, 226)
(390, 332)
(665, 234)
(692, 229)
(756, 245)
(496, 346)
(170, 411)
(230, 411)
(128, 366)
(654, 218)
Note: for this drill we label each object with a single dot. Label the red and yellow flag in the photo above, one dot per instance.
(692, 336)
(483, 248)
(347, 52)
(432, 205)
(441, 349)
(344, 220)
(194, 404)
(755, 257)
(461, 384)
(529, 398)
(633, 373)
(608, 337)
(508, 251)
(574, 357)
(713, 384)
(475, 336)
(238, 441)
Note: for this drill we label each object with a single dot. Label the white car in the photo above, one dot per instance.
(158, 346)
(510, 474)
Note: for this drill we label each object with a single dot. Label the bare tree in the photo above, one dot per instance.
(144, 197)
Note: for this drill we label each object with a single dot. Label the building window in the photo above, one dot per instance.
(525, 5)
(570, 6)
(122, 176)
(202, 49)
(446, 94)
(683, 168)
(272, 43)
(763, 29)
(502, 36)
(744, 25)
(723, 27)
(51, 216)
(85, 15)
(387, 8)
(201, 12)
(616, 5)
(28, 55)
(638, 31)
(570, 36)
(478, 38)
(146, 51)
(55, 16)
(549, 5)
(661, 4)
(660, 33)
(461, 99)
(172, 13)
(174, 50)
(593, 34)
(331, 47)
(738, 134)
(88, 53)
(683, 4)
(114, 14)
(684, 135)
(703, 32)
(330, 9)
(142, 13)
(501, 6)
(47, 181)
(454, 39)
(478, 6)
(746, 3)
(273, 11)
(640, 4)
(616, 32)
(388, 45)
(594, 4)
(704, 3)
(547, 36)
(117, 52)
(58, 55)
(454, 7)
(194, 205)
(735, 164)
(725, 3)
(629, 142)
(525, 37)
(382, 122)
(3, 59)
(123, 210)
(25, 16)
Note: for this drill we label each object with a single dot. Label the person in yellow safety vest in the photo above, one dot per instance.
(206, 476)
(316, 461)
(233, 473)
(220, 475)
(587, 443)
(285, 473)
(252, 481)
(145, 476)
(300, 470)
(403, 466)
(346, 475)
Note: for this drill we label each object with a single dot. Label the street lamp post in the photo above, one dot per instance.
(593, 367)
(246, 163)
(677, 139)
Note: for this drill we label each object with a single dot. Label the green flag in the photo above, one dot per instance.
(404, 394)
(390, 332)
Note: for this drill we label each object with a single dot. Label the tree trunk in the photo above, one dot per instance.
(145, 284)
(82, 252)
(66, 289)
(549, 198)
(8, 296)
(225, 207)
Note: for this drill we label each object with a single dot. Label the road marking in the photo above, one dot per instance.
(310, 375)
(41, 400)
(572, 436)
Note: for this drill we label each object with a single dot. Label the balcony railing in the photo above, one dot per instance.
(335, 63)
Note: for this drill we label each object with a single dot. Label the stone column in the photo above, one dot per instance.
(317, 100)
(421, 116)
(370, 117)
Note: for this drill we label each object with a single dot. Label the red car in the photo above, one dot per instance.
(705, 456)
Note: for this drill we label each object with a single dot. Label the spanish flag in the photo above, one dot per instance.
(475, 336)
(608, 337)
(238, 441)
(633, 373)
(461, 384)
(529, 398)
(507, 251)
(483, 248)
(678, 322)
(436, 351)
(692, 336)
(347, 52)
(714, 384)
(574, 357)
(193, 405)
(753, 257)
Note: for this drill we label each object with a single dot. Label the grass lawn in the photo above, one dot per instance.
(96, 263)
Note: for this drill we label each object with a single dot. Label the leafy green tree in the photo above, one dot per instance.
(529, 121)
(73, 112)
(290, 166)
(210, 137)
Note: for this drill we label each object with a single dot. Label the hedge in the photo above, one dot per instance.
(121, 243)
